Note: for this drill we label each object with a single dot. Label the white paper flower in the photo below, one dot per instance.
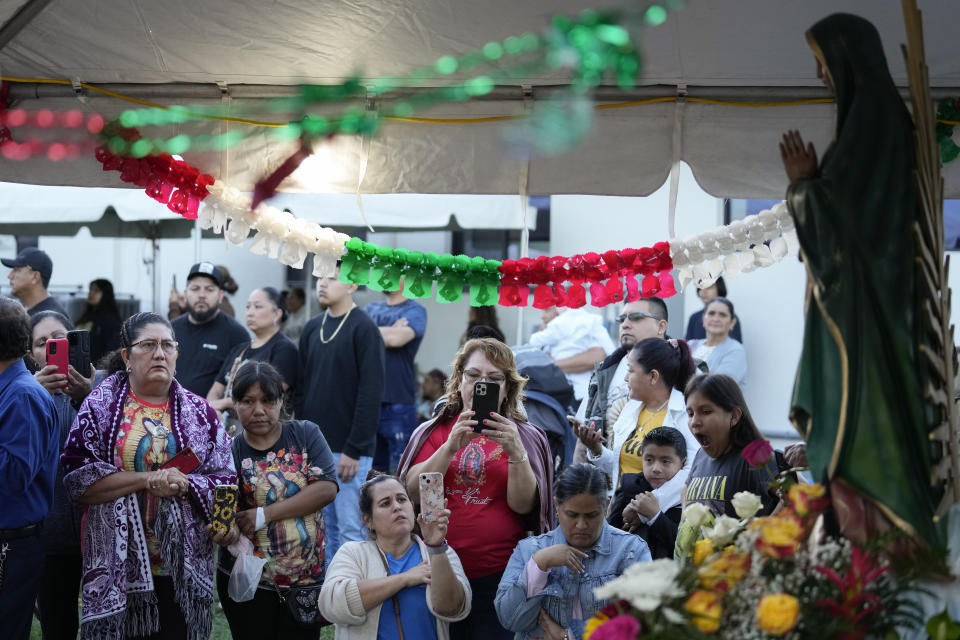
(746, 504)
(695, 514)
(723, 530)
(237, 232)
(645, 585)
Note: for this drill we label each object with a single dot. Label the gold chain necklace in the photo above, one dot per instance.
(339, 326)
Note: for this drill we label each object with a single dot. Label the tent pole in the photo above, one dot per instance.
(12, 27)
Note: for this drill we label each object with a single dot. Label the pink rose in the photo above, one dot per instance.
(757, 453)
(619, 628)
(247, 463)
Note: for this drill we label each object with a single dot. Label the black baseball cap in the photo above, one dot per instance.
(207, 270)
(34, 258)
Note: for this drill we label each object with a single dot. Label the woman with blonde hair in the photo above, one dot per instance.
(497, 475)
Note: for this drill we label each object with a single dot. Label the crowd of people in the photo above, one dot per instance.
(315, 424)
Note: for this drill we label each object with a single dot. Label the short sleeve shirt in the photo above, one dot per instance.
(203, 348)
(475, 484)
(294, 547)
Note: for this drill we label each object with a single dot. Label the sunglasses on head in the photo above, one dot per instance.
(636, 316)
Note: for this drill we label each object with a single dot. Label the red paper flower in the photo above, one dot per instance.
(757, 453)
(667, 287)
(649, 287)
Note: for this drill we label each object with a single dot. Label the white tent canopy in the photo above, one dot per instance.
(244, 51)
(29, 203)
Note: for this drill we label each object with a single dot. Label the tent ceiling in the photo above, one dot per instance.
(739, 48)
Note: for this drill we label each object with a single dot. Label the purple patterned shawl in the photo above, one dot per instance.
(117, 588)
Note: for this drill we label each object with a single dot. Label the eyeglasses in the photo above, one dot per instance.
(471, 376)
(149, 346)
(635, 316)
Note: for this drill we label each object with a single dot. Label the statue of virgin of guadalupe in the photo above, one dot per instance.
(858, 398)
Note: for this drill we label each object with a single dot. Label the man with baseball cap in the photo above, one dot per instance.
(29, 277)
(205, 335)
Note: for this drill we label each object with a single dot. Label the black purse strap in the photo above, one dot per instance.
(396, 603)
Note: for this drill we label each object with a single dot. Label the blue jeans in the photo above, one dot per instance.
(341, 518)
(397, 424)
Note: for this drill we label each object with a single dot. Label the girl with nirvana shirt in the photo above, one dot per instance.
(721, 422)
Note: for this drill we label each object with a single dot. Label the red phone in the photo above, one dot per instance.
(58, 354)
(186, 461)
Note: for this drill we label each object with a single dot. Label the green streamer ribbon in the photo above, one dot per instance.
(355, 265)
(382, 268)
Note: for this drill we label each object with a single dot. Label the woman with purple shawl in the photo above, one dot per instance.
(147, 561)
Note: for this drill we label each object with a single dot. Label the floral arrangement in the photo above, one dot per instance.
(759, 577)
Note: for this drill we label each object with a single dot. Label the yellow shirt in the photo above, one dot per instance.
(631, 455)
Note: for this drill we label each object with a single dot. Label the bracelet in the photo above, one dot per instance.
(435, 550)
(521, 460)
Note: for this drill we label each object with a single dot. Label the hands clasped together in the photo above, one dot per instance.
(164, 483)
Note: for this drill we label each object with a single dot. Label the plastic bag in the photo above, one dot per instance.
(247, 569)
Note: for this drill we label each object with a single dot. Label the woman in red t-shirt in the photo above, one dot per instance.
(497, 481)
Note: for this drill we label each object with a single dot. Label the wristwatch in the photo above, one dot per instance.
(438, 549)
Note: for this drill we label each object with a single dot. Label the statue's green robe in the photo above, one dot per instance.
(859, 393)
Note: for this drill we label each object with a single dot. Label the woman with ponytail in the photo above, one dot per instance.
(147, 561)
(657, 373)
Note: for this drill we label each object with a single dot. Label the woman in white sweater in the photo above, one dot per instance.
(395, 585)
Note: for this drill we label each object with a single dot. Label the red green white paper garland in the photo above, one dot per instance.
(611, 276)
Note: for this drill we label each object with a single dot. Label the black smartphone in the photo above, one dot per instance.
(79, 341)
(486, 400)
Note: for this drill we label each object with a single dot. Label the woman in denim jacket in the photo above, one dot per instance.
(547, 587)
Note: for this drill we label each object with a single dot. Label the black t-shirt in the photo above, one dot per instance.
(341, 380)
(714, 481)
(280, 351)
(47, 304)
(203, 348)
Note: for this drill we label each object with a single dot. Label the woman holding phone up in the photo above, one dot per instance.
(396, 585)
(497, 475)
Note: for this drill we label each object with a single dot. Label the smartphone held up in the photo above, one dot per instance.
(431, 495)
(486, 401)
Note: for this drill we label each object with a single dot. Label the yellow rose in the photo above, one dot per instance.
(706, 610)
(725, 570)
(702, 550)
(777, 613)
(594, 622)
(807, 498)
(780, 535)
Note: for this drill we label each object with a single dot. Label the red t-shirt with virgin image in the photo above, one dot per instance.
(483, 529)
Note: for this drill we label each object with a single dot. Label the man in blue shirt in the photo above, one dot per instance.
(402, 323)
(29, 448)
